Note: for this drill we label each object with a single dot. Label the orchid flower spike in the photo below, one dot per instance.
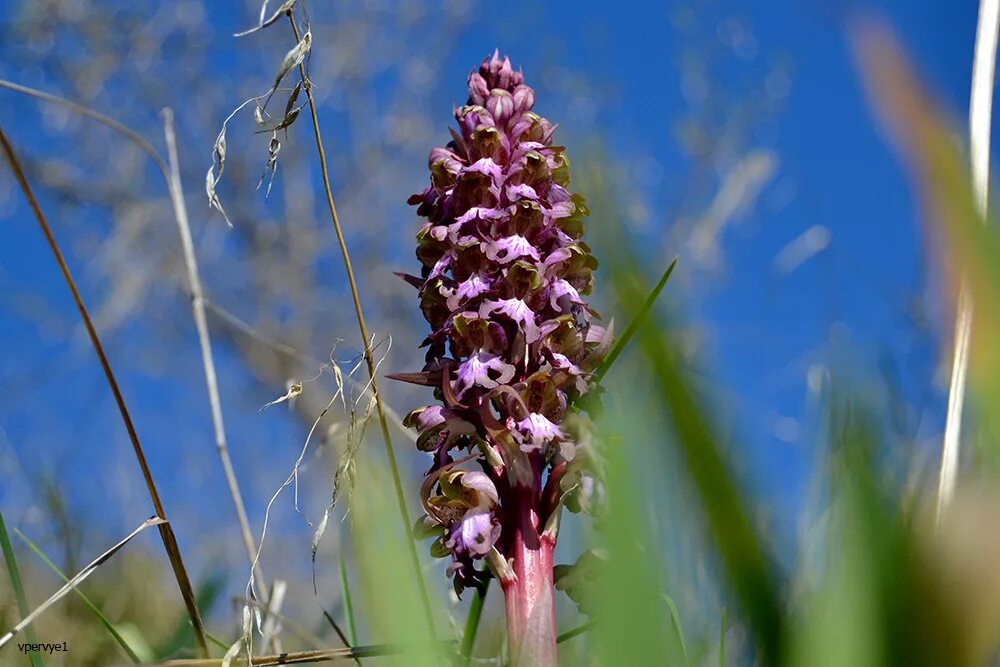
(512, 343)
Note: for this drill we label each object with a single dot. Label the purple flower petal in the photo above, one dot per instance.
(475, 533)
(475, 372)
(508, 249)
(555, 258)
(478, 89)
(501, 104)
(487, 167)
(563, 209)
(483, 487)
(562, 295)
(469, 288)
(562, 363)
(479, 213)
(425, 418)
(442, 265)
(524, 98)
(519, 192)
(538, 432)
(517, 310)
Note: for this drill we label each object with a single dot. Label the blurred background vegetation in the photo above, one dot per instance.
(772, 436)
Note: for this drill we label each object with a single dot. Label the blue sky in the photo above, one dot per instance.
(762, 329)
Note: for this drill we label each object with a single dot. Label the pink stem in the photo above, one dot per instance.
(530, 603)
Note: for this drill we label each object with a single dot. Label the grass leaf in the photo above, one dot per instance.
(15, 582)
(675, 621)
(722, 639)
(108, 625)
(472, 621)
(575, 632)
(78, 579)
(345, 592)
(746, 562)
(640, 316)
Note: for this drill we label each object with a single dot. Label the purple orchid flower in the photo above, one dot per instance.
(513, 343)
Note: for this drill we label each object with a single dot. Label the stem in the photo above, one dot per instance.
(107, 121)
(345, 593)
(528, 594)
(980, 118)
(633, 326)
(366, 341)
(171, 176)
(575, 632)
(22, 601)
(166, 531)
(205, 343)
(472, 623)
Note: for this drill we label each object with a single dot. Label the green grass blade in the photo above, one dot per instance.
(97, 612)
(633, 326)
(575, 632)
(15, 581)
(675, 620)
(387, 599)
(722, 639)
(472, 622)
(215, 640)
(345, 591)
(207, 595)
(746, 562)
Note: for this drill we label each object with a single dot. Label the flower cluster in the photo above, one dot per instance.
(512, 340)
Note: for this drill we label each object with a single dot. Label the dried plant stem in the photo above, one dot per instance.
(205, 343)
(294, 627)
(166, 532)
(171, 176)
(73, 583)
(980, 116)
(132, 135)
(310, 657)
(109, 626)
(244, 327)
(369, 359)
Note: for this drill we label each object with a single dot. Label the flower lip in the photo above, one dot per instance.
(538, 431)
(468, 289)
(518, 311)
(475, 533)
(508, 249)
(476, 372)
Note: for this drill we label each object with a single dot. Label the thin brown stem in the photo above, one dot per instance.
(310, 657)
(340, 633)
(369, 357)
(171, 177)
(166, 531)
(205, 343)
(244, 327)
(294, 627)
